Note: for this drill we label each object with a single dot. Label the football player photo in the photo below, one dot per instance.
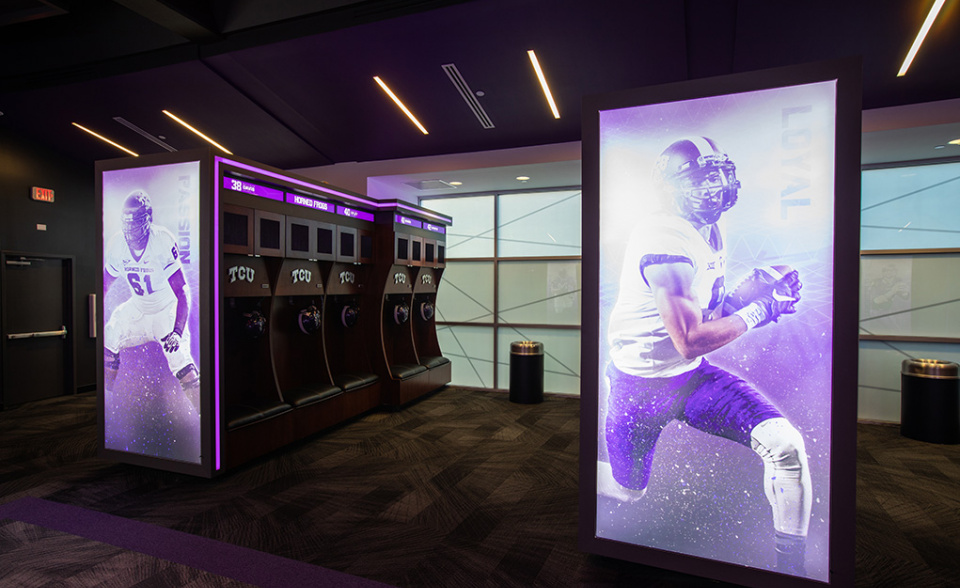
(705, 437)
(148, 304)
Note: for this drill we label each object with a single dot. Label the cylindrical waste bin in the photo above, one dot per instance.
(526, 372)
(930, 400)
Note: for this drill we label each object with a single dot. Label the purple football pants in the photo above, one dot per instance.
(707, 398)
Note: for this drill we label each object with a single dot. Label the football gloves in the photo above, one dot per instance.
(171, 342)
(770, 300)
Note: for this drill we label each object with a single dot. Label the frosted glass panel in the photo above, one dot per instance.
(910, 207)
(915, 295)
(540, 224)
(540, 292)
(561, 357)
(470, 350)
(472, 232)
(879, 375)
(466, 292)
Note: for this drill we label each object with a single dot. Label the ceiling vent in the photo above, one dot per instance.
(431, 185)
(468, 96)
(143, 133)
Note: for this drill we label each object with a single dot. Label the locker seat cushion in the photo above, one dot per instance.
(251, 411)
(350, 381)
(433, 361)
(402, 371)
(310, 394)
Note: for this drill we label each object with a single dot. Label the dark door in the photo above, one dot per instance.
(36, 293)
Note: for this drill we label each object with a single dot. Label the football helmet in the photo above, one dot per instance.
(308, 319)
(136, 219)
(697, 178)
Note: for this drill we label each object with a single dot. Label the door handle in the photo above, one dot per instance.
(61, 333)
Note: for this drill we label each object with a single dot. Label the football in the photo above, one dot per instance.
(756, 284)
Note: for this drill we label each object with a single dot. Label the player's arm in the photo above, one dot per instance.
(108, 281)
(179, 286)
(672, 286)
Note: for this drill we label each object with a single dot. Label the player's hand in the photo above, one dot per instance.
(781, 298)
(171, 342)
(765, 295)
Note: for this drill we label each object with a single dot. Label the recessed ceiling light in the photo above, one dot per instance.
(921, 34)
(106, 140)
(455, 183)
(198, 133)
(954, 142)
(939, 146)
(543, 83)
(523, 178)
(400, 104)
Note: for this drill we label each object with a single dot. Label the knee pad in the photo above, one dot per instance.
(779, 443)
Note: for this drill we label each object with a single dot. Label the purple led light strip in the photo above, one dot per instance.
(216, 312)
(421, 212)
(284, 178)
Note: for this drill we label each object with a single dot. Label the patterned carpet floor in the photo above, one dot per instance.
(460, 489)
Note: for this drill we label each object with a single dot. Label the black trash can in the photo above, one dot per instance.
(930, 400)
(526, 372)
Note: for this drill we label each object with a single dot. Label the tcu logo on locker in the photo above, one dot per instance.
(426, 279)
(239, 272)
(399, 278)
(347, 277)
(301, 275)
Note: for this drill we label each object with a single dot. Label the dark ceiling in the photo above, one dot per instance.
(290, 83)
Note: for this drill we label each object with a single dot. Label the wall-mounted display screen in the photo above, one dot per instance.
(716, 230)
(308, 202)
(251, 188)
(151, 329)
(407, 221)
(354, 213)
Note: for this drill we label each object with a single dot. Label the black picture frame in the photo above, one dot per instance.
(846, 183)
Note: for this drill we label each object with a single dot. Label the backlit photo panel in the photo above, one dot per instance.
(151, 324)
(716, 326)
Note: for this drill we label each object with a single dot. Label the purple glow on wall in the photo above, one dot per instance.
(308, 202)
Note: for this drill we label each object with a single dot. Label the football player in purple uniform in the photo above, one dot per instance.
(146, 257)
(668, 315)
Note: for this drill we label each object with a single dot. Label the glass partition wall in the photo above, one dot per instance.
(512, 274)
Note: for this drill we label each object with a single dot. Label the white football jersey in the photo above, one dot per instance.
(639, 342)
(148, 275)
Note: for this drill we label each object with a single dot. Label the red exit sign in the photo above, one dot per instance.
(41, 194)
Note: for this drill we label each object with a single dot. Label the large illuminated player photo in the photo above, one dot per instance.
(150, 274)
(715, 319)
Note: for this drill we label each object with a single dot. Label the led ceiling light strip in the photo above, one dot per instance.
(921, 35)
(106, 140)
(198, 133)
(543, 83)
(396, 101)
